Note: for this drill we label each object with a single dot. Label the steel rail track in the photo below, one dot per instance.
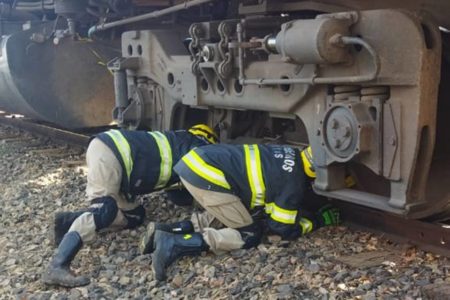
(429, 236)
(70, 137)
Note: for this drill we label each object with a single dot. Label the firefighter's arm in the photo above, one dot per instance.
(283, 215)
(289, 221)
(325, 216)
(305, 222)
(286, 231)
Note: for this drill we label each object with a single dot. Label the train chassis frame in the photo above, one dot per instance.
(365, 86)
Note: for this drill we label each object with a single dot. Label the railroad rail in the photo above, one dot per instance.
(426, 235)
(71, 137)
(429, 236)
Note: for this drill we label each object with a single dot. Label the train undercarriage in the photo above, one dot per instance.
(364, 84)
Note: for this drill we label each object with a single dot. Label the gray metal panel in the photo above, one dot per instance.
(67, 84)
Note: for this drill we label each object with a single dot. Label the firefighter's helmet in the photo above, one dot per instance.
(204, 131)
(308, 162)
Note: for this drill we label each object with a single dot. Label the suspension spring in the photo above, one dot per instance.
(343, 92)
(380, 92)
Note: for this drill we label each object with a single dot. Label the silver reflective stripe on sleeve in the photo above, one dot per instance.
(279, 214)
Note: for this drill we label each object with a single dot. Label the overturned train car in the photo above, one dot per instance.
(363, 82)
(48, 71)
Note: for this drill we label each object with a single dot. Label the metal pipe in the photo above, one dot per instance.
(322, 80)
(240, 52)
(120, 89)
(152, 15)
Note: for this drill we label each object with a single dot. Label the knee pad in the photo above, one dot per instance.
(105, 211)
(135, 217)
(251, 235)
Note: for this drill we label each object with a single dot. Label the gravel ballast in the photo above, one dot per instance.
(331, 263)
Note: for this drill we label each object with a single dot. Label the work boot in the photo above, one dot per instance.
(58, 272)
(146, 243)
(62, 223)
(169, 247)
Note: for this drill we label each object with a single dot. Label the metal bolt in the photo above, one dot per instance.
(207, 53)
(347, 131)
(337, 143)
(334, 123)
(392, 141)
(318, 132)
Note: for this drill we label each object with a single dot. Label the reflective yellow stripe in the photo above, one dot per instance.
(255, 176)
(281, 215)
(165, 152)
(123, 147)
(306, 225)
(207, 172)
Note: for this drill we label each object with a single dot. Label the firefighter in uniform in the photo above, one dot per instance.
(243, 187)
(121, 164)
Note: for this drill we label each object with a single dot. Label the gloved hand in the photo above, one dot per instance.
(328, 215)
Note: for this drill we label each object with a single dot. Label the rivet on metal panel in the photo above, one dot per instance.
(392, 141)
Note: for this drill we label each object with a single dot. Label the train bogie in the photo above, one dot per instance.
(363, 84)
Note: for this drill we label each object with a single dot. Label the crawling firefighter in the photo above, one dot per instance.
(121, 165)
(243, 187)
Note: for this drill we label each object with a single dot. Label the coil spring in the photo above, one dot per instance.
(343, 92)
(380, 92)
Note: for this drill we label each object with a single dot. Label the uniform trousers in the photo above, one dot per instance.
(222, 209)
(104, 179)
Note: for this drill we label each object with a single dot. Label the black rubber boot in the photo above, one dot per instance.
(58, 272)
(146, 243)
(62, 223)
(169, 247)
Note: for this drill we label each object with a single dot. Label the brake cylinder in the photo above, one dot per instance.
(311, 41)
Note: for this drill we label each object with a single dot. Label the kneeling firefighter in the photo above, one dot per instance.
(243, 187)
(121, 165)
